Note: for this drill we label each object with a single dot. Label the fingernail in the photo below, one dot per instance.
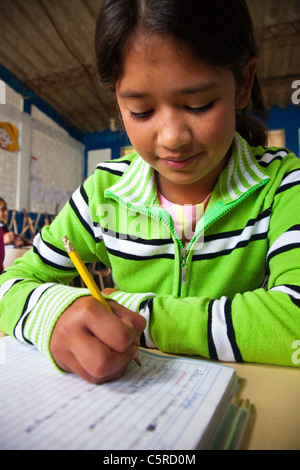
(136, 358)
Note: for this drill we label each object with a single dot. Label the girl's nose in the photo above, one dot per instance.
(173, 132)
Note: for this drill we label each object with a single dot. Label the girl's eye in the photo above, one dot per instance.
(143, 115)
(200, 110)
(147, 114)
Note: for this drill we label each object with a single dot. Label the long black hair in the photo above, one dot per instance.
(219, 32)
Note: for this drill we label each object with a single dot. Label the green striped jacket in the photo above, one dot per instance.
(231, 294)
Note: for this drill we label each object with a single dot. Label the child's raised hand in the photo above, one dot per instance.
(94, 343)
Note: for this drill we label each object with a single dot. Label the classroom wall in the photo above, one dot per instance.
(9, 161)
(107, 139)
(49, 165)
(288, 120)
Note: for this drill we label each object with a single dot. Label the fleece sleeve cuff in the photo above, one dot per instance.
(139, 303)
(42, 318)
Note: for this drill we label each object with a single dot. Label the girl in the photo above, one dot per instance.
(9, 237)
(220, 277)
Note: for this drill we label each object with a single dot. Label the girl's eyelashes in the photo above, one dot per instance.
(190, 109)
(201, 109)
(143, 115)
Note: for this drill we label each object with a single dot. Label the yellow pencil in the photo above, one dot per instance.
(86, 276)
(84, 273)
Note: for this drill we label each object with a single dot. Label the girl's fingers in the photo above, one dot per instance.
(118, 330)
(93, 342)
(109, 328)
(127, 316)
(97, 363)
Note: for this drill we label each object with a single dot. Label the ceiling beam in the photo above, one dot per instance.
(64, 79)
(279, 35)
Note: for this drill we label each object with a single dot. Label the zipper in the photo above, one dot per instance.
(183, 257)
(217, 214)
(184, 251)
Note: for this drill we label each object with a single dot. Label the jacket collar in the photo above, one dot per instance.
(137, 185)
(241, 173)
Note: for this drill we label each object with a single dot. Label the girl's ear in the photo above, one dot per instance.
(244, 88)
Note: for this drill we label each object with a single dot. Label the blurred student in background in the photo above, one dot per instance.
(9, 237)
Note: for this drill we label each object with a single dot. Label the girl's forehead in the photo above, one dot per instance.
(154, 45)
(151, 59)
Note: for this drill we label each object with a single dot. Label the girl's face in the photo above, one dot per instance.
(179, 115)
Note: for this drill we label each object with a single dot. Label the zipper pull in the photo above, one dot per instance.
(183, 255)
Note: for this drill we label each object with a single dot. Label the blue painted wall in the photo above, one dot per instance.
(289, 120)
(105, 139)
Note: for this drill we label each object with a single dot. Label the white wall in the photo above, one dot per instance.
(49, 165)
(95, 157)
(9, 161)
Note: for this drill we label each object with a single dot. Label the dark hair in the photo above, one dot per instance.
(219, 32)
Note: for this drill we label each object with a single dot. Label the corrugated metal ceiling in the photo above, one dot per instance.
(48, 46)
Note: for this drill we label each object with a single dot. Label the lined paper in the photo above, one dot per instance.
(166, 404)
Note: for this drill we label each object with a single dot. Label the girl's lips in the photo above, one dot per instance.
(179, 164)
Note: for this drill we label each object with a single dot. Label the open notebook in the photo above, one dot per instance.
(168, 403)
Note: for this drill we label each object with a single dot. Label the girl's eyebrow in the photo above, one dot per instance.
(133, 94)
(190, 90)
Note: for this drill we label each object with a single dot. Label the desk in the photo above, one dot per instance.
(12, 253)
(275, 393)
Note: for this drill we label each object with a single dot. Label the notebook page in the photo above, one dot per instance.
(165, 404)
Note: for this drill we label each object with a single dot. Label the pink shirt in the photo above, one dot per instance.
(184, 217)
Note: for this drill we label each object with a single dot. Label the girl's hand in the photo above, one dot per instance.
(9, 238)
(94, 343)
(108, 290)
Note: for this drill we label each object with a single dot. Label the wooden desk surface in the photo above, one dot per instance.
(12, 253)
(275, 394)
